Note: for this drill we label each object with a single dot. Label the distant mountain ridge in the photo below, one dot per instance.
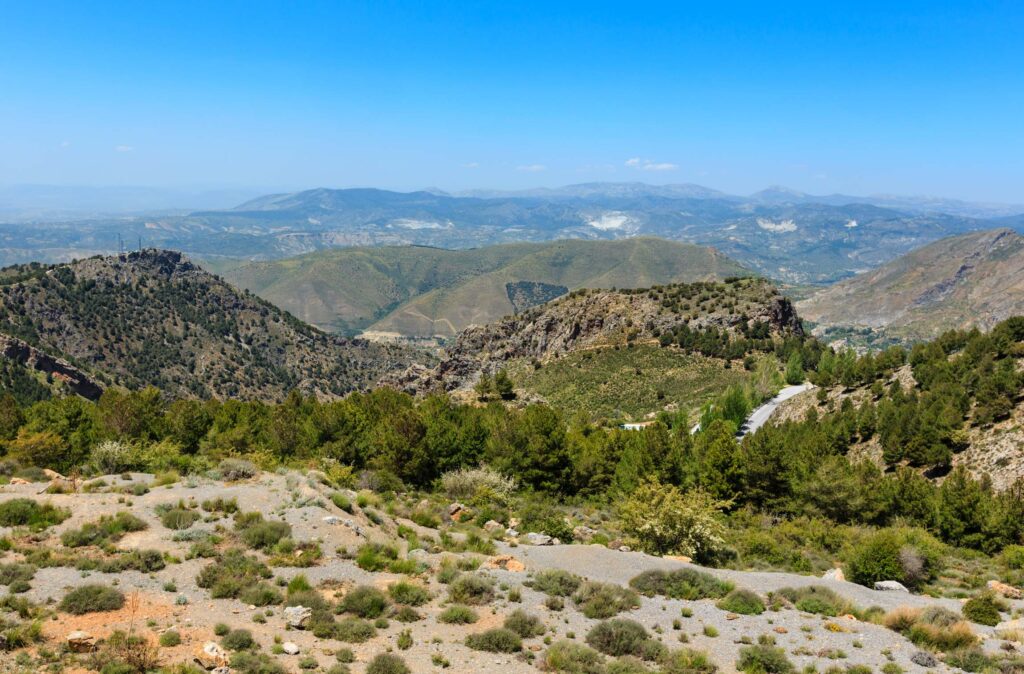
(421, 291)
(971, 280)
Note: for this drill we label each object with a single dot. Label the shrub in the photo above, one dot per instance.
(971, 660)
(376, 556)
(92, 599)
(481, 484)
(764, 659)
(907, 555)
(407, 614)
(983, 609)
(107, 529)
(220, 629)
(365, 601)
(261, 594)
(342, 501)
(816, 599)
(572, 658)
(687, 661)
(237, 469)
(111, 457)
(25, 512)
(524, 624)
(220, 505)
(170, 638)
(743, 602)
(471, 588)
(935, 627)
(260, 534)
(689, 584)
(604, 600)
(457, 614)
(663, 520)
(618, 637)
(556, 582)
(408, 594)
(233, 572)
(497, 640)
(16, 572)
(1012, 557)
(386, 663)
(179, 519)
(238, 640)
(354, 630)
(247, 662)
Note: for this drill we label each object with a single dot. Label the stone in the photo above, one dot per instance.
(506, 563)
(511, 533)
(290, 648)
(332, 519)
(1008, 591)
(924, 659)
(18, 480)
(80, 642)
(52, 474)
(834, 574)
(534, 538)
(680, 558)
(891, 586)
(625, 548)
(779, 629)
(583, 533)
(556, 541)
(493, 527)
(210, 656)
(455, 508)
(297, 616)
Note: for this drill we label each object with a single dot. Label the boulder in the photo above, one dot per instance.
(1008, 591)
(534, 538)
(493, 527)
(891, 586)
(19, 480)
(332, 519)
(52, 474)
(506, 563)
(290, 648)
(297, 616)
(210, 656)
(679, 558)
(834, 574)
(583, 533)
(511, 533)
(80, 642)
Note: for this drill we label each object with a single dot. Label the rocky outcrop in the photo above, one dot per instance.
(56, 368)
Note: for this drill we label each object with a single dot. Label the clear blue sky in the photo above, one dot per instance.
(859, 97)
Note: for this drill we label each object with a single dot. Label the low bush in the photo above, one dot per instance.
(15, 572)
(556, 582)
(497, 640)
(570, 657)
(261, 594)
(619, 637)
(231, 573)
(107, 529)
(983, 609)
(471, 588)
(764, 658)
(237, 469)
(909, 556)
(816, 599)
(146, 561)
(974, 660)
(220, 505)
(743, 602)
(936, 628)
(457, 614)
(238, 640)
(686, 661)
(365, 601)
(688, 584)
(258, 533)
(408, 594)
(170, 639)
(481, 484)
(92, 599)
(354, 630)
(26, 512)
(247, 662)
(604, 600)
(524, 624)
(342, 501)
(376, 556)
(386, 663)
(179, 519)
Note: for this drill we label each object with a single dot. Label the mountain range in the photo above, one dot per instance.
(786, 235)
(424, 292)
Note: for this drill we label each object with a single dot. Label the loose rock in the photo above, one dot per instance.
(297, 616)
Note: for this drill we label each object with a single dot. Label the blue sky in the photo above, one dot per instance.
(859, 97)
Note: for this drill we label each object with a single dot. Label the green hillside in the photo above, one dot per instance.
(420, 291)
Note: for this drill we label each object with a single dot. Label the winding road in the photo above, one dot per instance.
(762, 414)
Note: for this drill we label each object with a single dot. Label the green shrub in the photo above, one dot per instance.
(220, 505)
(260, 534)
(407, 614)
(179, 519)
(1012, 557)
(983, 609)
(689, 584)
(233, 572)
(408, 594)
(570, 657)
(354, 630)
(25, 512)
(743, 602)
(14, 572)
(170, 639)
(365, 601)
(92, 599)
(237, 469)
(556, 582)
(972, 660)
(619, 637)
(107, 529)
(386, 663)
(471, 588)
(664, 520)
(342, 501)
(220, 629)
(524, 624)
(261, 594)
(375, 556)
(146, 561)
(497, 640)
(816, 599)
(686, 661)
(909, 556)
(457, 614)
(247, 662)
(604, 600)
(238, 640)
(764, 659)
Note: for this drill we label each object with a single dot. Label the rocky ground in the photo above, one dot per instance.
(170, 599)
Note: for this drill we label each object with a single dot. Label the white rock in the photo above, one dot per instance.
(290, 648)
(297, 616)
(834, 574)
(533, 538)
(891, 586)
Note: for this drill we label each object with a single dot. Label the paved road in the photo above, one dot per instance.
(762, 414)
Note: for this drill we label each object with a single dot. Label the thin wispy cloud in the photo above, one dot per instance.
(532, 168)
(650, 165)
(123, 148)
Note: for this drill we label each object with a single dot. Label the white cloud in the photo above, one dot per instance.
(650, 165)
(532, 168)
(123, 148)
(776, 227)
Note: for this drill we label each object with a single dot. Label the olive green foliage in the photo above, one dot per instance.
(457, 614)
(604, 600)
(232, 573)
(408, 594)
(471, 588)
(556, 582)
(258, 533)
(619, 637)
(681, 584)
(662, 519)
(687, 661)
(764, 658)
(816, 599)
(107, 529)
(365, 601)
(238, 640)
(570, 657)
(905, 555)
(984, 609)
(92, 598)
(524, 624)
(179, 519)
(26, 512)
(496, 640)
(385, 663)
(742, 601)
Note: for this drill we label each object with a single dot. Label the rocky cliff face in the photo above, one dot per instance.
(76, 380)
(590, 319)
